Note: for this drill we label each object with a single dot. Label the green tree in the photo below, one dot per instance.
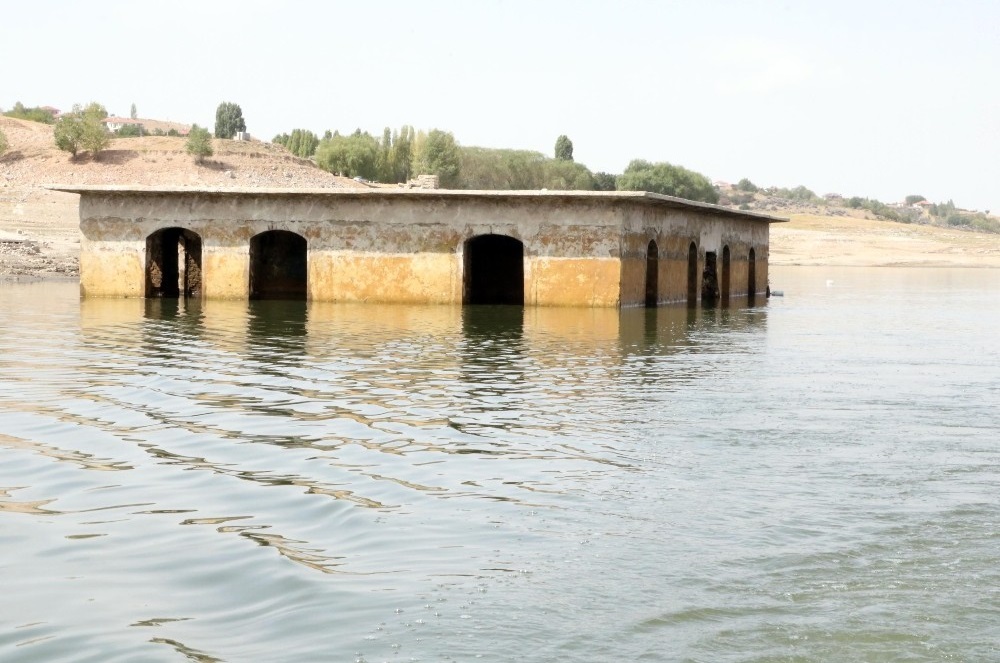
(199, 143)
(69, 130)
(605, 182)
(400, 155)
(82, 128)
(3, 142)
(303, 143)
(437, 153)
(668, 179)
(564, 148)
(129, 130)
(95, 137)
(351, 156)
(914, 199)
(133, 113)
(32, 114)
(746, 185)
(228, 120)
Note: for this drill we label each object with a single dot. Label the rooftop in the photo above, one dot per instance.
(641, 197)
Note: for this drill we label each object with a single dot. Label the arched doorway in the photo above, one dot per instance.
(725, 276)
(173, 263)
(710, 279)
(693, 274)
(278, 260)
(652, 274)
(494, 270)
(752, 274)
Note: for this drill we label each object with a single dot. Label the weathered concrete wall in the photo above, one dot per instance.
(580, 249)
(674, 231)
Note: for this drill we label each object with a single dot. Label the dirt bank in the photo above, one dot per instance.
(857, 242)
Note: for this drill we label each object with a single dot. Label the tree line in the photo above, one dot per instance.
(398, 155)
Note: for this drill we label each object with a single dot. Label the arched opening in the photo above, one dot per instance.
(494, 270)
(710, 279)
(693, 273)
(277, 265)
(652, 269)
(724, 280)
(752, 275)
(173, 264)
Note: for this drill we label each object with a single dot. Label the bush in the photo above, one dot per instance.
(3, 142)
(32, 114)
(199, 143)
(746, 185)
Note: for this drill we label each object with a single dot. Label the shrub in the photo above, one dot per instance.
(199, 143)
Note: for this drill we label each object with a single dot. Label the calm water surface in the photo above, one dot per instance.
(812, 479)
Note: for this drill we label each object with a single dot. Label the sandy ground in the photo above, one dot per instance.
(857, 242)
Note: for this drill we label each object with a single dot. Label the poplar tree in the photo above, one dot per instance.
(564, 148)
(229, 120)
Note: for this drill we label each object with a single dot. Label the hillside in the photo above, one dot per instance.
(39, 232)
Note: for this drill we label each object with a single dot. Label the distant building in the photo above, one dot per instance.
(116, 123)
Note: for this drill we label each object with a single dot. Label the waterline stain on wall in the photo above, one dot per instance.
(537, 248)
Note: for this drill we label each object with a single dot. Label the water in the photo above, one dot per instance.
(811, 479)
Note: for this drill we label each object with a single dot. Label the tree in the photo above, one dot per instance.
(32, 114)
(746, 185)
(82, 128)
(228, 120)
(564, 148)
(199, 143)
(133, 113)
(3, 142)
(129, 131)
(437, 153)
(95, 135)
(69, 130)
(351, 156)
(667, 179)
(914, 199)
(605, 182)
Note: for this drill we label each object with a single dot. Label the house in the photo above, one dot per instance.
(116, 123)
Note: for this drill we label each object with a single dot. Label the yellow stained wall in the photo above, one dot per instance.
(112, 269)
(571, 281)
(351, 276)
(225, 272)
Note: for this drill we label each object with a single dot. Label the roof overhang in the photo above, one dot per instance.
(640, 197)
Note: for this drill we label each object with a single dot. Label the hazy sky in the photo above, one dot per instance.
(862, 97)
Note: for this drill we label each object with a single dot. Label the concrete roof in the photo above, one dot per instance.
(641, 197)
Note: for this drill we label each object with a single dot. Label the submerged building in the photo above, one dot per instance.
(536, 248)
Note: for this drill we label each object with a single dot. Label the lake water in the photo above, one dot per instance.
(816, 478)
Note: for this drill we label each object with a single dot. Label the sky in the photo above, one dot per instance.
(874, 98)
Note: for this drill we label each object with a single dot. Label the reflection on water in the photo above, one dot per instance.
(809, 478)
